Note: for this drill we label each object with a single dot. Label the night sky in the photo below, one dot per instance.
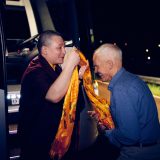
(134, 23)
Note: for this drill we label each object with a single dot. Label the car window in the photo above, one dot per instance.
(16, 33)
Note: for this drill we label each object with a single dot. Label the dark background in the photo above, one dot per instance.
(132, 25)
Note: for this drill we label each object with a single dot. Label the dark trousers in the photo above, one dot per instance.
(140, 153)
(100, 150)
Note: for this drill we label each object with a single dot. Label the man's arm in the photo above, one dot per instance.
(127, 129)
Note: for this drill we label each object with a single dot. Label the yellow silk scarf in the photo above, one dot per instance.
(62, 140)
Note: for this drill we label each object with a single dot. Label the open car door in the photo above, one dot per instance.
(3, 107)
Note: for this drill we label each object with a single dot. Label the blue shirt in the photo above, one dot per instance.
(133, 110)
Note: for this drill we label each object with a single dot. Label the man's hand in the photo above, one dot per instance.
(94, 116)
(100, 126)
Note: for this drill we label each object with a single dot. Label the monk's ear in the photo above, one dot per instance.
(44, 50)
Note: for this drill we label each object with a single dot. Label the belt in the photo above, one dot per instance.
(141, 145)
(145, 144)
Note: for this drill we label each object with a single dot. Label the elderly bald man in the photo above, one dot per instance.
(133, 109)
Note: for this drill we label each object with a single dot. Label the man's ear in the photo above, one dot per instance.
(110, 64)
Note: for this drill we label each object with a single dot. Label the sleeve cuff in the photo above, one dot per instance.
(108, 132)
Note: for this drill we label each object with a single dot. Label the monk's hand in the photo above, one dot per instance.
(82, 70)
(73, 58)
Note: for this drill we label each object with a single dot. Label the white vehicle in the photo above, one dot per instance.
(21, 38)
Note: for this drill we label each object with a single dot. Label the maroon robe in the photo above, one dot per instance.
(39, 118)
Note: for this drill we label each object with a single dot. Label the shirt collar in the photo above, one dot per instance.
(115, 78)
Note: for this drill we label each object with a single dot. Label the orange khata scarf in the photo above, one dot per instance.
(62, 140)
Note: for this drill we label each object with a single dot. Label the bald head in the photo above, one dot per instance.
(109, 51)
(107, 60)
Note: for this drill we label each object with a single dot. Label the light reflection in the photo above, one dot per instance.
(148, 57)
